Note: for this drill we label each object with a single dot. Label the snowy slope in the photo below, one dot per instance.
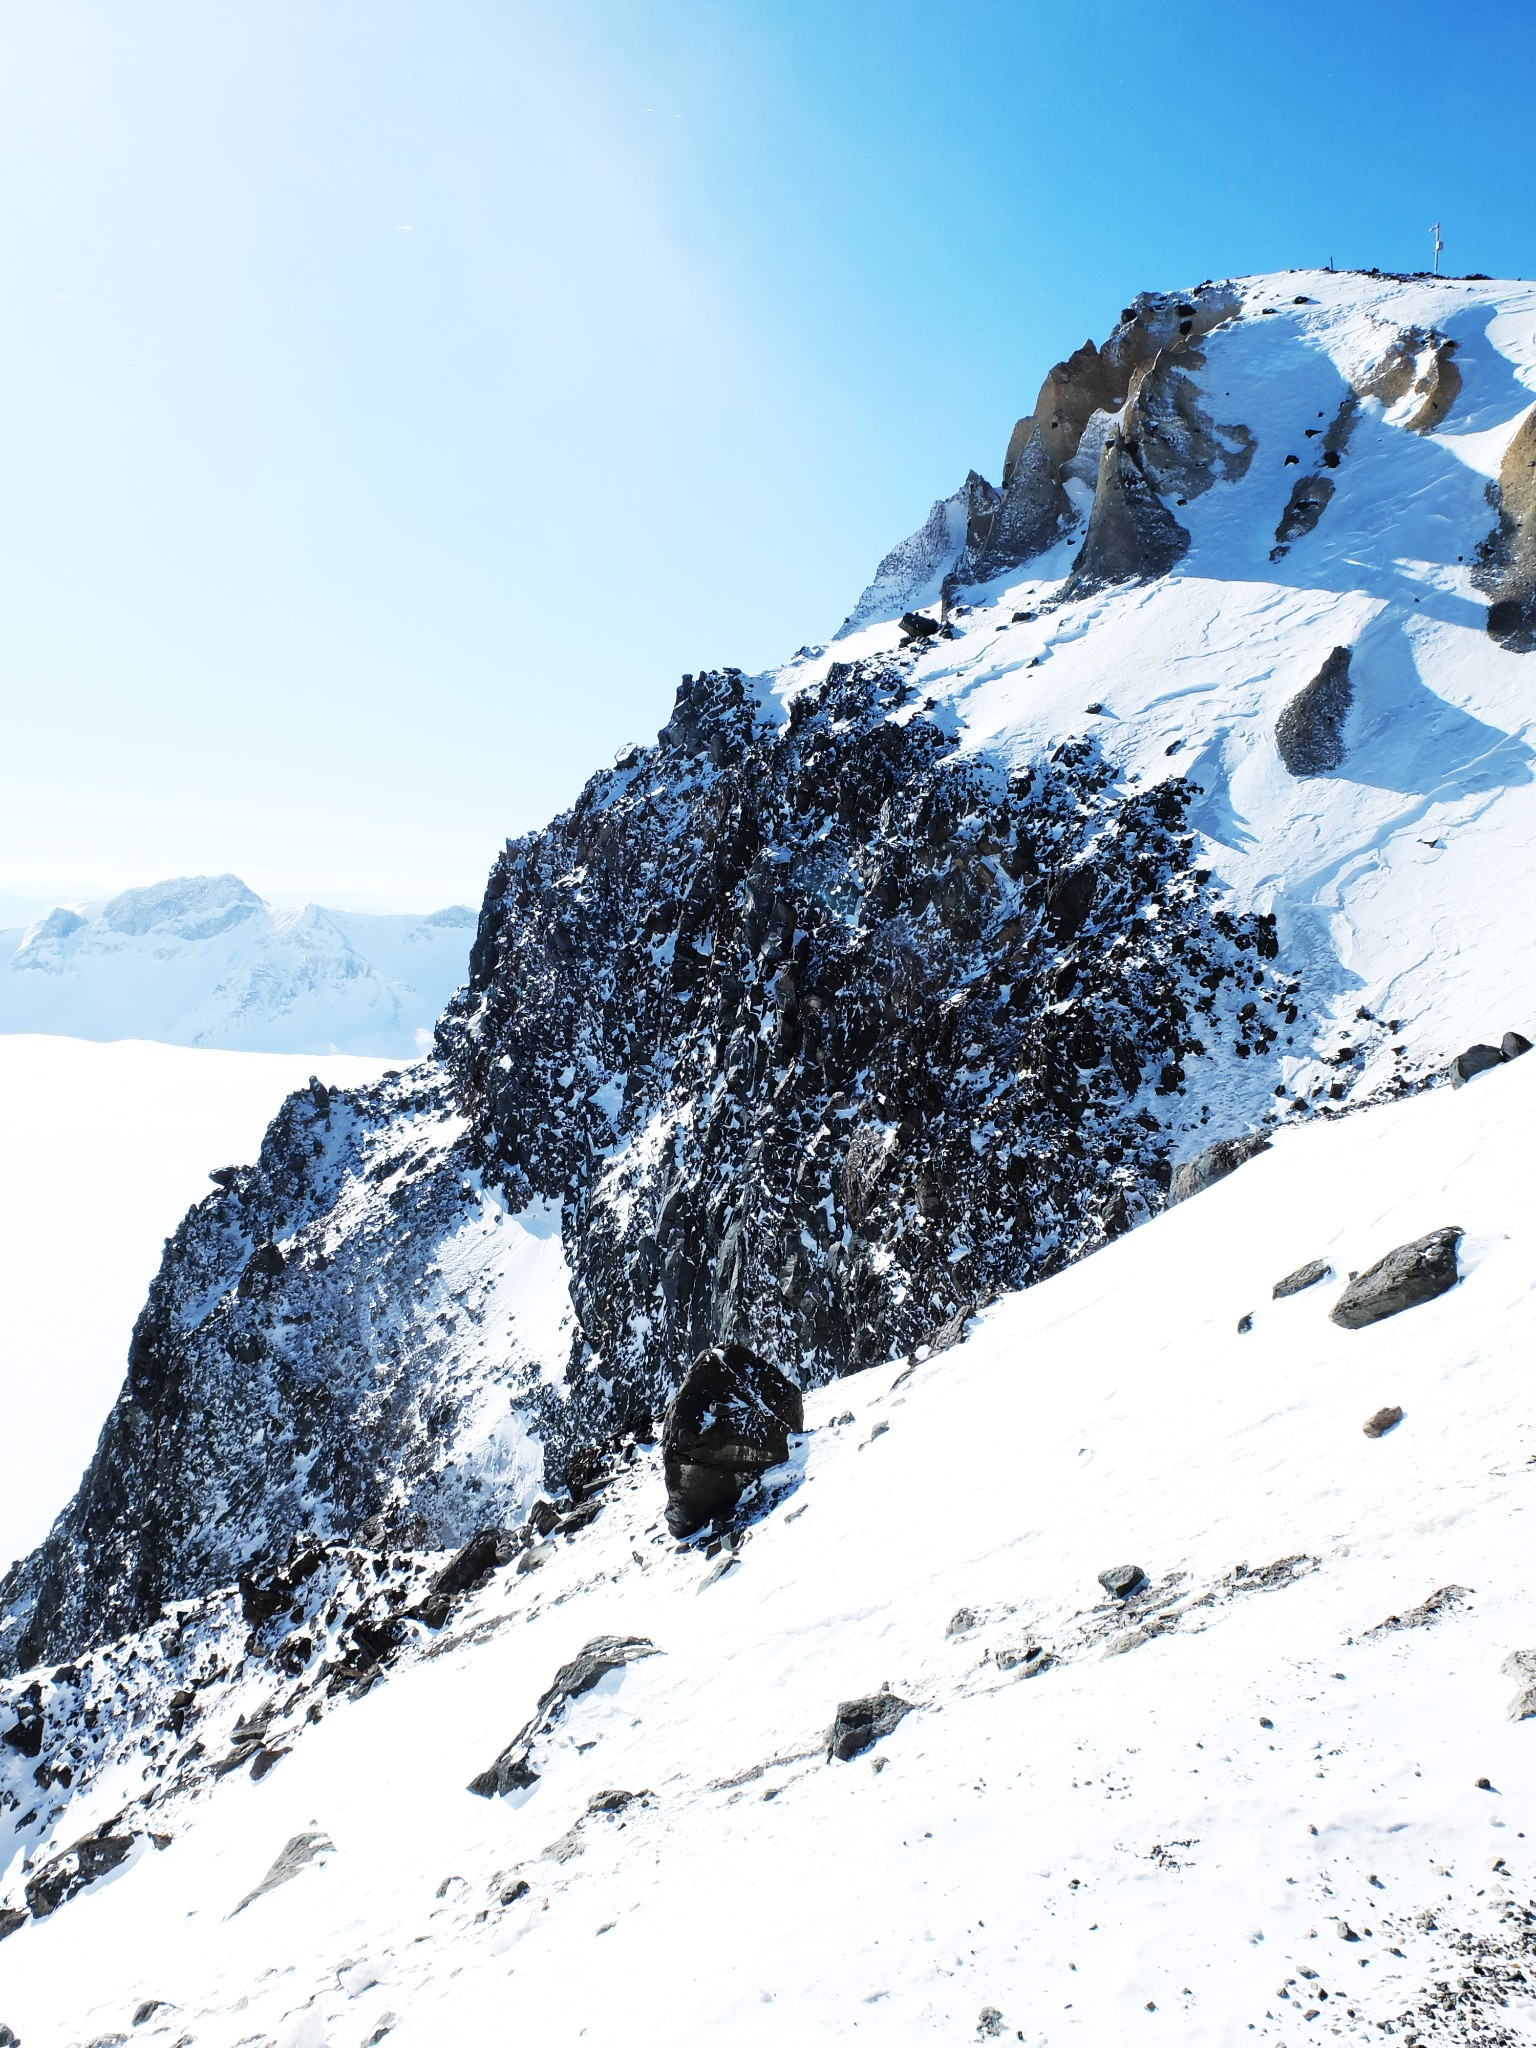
(1118, 1848)
(102, 1146)
(205, 961)
(794, 1008)
(1395, 878)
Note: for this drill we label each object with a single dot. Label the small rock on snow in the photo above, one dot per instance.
(1305, 1276)
(1383, 1420)
(1121, 1580)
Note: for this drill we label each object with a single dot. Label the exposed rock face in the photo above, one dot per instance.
(809, 1034)
(266, 1395)
(1131, 533)
(913, 572)
(1421, 362)
(513, 1770)
(1506, 568)
(1309, 732)
(1414, 1273)
(1193, 1176)
(859, 1724)
(730, 1420)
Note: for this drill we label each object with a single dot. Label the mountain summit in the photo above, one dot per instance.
(1160, 807)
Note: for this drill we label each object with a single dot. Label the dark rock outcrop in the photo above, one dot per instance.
(1309, 1275)
(1309, 732)
(1477, 1059)
(467, 1569)
(1411, 1274)
(1214, 1163)
(794, 1028)
(1514, 1044)
(859, 1724)
(82, 1864)
(513, 1770)
(729, 1421)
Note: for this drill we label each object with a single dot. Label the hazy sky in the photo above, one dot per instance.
(398, 396)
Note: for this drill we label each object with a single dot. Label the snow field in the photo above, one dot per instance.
(1114, 1849)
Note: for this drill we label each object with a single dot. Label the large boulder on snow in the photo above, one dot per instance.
(1309, 732)
(1191, 1176)
(729, 1420)
(859, 1724)
(1413, 1273)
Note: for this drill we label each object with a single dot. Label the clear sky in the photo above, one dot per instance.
(398, 395)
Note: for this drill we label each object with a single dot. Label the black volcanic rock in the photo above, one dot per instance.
(859, 1724)
(731, 1419)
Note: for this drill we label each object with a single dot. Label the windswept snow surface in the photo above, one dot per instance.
(1119, 1848)
(102, 1149)
(204, 961)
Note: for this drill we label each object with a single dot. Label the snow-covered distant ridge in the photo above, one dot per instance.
(202, 960)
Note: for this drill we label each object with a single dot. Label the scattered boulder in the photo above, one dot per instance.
(1443, 1600)
(1309, 733)
(860, 1724)
(1028, 1662)
(1193, 1176)
(297, 1854)
(1411, 1274)
(1310, 1275)
(144, 2012)
(962, 1621)
(613, 1801)
(1244, 1325)
(1383, 1420)
(729, 1421)
(1303, 509)
(1477, 1059)
(513, 1770)
(81, 1864)
(915, 626)
(1122, 1580)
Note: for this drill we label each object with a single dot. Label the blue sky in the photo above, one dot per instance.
(397, 397)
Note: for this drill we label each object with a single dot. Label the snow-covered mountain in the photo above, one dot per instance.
(1168, 802)
(205, 961)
